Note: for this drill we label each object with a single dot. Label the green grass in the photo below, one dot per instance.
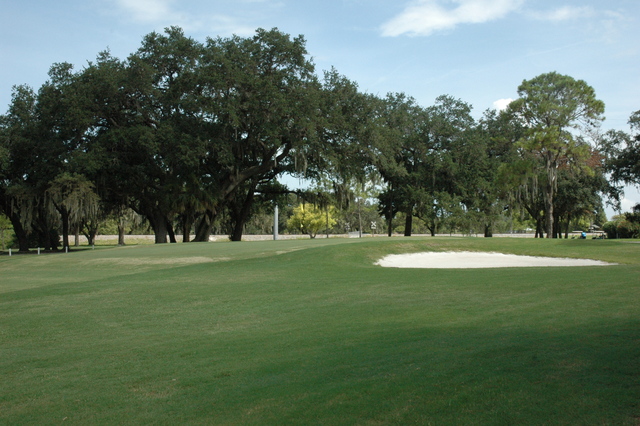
(311, 332)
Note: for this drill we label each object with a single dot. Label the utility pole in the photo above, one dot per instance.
(275, 223)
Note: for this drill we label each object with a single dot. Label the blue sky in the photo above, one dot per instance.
(476, 50)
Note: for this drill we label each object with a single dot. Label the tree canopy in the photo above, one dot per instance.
(188, 134)
(623, 152)
(553, 108)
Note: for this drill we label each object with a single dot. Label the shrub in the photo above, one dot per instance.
(626, 225)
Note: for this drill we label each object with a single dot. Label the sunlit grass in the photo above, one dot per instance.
(311, 332)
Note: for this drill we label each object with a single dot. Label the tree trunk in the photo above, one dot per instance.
(91, 235)
(431, 226)
(64, 214)
(549, 193)
(241, 216)
(54, 239)
(172, 235)
(186, 233)
(488, 232)
(21, 234)
(47, 238)
(187, 223)
(90, 230)
(204, 227)
(390, 228)
(566, 229)
(539, 228)
(43, 240)
(159, 225)
(360, 218)
(160, 233)
(327, 212)
(408, 224)
(121, 234)
(236, 232)
(549, 215)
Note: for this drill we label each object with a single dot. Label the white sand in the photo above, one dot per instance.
(466, 259)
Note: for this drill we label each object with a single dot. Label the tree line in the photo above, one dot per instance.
(184, 133)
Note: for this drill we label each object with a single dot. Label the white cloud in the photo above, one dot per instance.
(147, 10)
(502, 104)
(564, 13)
(627, 204)
(425, 17)
(167, 12)
(614, 27)
(227, 25)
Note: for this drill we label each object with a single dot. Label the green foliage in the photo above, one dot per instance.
(309, 219)
(350, 135)
(174, 130)
(361, 216)
(6, 231)
(626, 225)
(431, 163)
(579, 197)
(550, 107)
(622, 151)
(194, 135)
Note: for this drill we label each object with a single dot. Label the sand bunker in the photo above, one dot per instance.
(466, 259)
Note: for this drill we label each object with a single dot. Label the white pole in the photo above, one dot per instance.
(38, 251)
(275, 223)
(9, 251)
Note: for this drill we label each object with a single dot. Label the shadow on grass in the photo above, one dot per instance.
(461, 376)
